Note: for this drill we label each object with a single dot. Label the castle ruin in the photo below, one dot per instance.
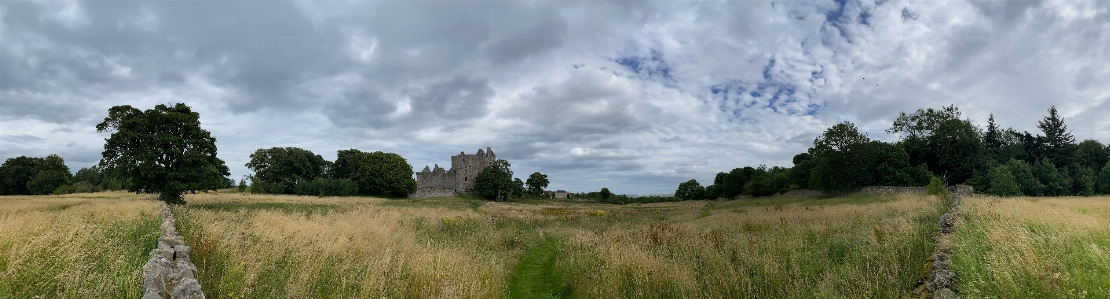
(459, 179)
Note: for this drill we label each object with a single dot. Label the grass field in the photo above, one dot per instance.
(75, 246)
(1034, 248)
(249, 246)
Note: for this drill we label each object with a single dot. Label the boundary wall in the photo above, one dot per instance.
(168, 273)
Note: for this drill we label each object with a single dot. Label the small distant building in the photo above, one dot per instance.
(561, 194)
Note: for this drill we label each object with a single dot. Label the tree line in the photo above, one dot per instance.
(936, 145)
(291, 170)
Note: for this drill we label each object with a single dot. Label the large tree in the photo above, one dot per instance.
(690, 190)
(950, 146)
(162, 150)
(381, 173)
(1057, 142)
(50, 174)
(15, 173)
(537, 182)
(495, 182)
(282, 167)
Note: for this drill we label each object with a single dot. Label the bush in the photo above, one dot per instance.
(1002, 182)
(63, 189)
(326, 187)
(936, 187)
(1023, 175)
(85, 187)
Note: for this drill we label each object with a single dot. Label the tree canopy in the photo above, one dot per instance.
(495, 182)
(162, 150)
(281, 167)
(537, 182)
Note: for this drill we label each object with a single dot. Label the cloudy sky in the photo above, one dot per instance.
(633, 96)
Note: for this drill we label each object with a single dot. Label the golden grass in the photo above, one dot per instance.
(309, 247)
(75, 246)
(1034, 247)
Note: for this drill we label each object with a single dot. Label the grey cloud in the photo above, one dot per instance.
(21, 138)
(543, 36)
(460, 97)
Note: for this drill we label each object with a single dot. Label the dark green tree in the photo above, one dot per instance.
(15, 173)
(162, 150)
(605, 194)
(50, 174)
(93, 175)
(284, 166)
(1083, 181)
(1002, 182)
(381, 173)
(1057, 138)
(951, 147)
(1103, 183)
(690, 190)
(1092, 154)
(1047, 174)
(733, 183)
(343, 167)
(712, 191)
(803, 168)
(1026, 180)
(495, 182)
(537, 182)
(242, 185)
(838, 153)
(518, 188)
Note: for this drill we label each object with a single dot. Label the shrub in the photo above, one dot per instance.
(85, 187)
(1002, 182)
(936, 187)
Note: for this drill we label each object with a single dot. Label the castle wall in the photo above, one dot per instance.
(460, 178)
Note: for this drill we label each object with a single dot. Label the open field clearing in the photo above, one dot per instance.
(1034, 247)
(308, 247)
(90, 245)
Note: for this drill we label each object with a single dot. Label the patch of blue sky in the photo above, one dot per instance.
(653, 67)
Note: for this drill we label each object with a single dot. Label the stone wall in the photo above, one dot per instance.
(168, 273)
(460, 178)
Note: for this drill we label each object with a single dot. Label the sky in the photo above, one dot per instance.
(629, 95)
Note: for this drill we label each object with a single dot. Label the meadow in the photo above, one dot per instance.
(90, 245)
(249, 246)
(1033, 247)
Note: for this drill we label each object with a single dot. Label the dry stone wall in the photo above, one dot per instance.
(168, 273)
(942, 277)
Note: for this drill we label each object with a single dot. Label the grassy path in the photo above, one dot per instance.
(534, 275)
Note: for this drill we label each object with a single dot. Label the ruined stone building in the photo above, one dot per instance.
(460, 178)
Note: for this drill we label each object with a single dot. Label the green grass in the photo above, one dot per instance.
(1034, 248)
(535, 275)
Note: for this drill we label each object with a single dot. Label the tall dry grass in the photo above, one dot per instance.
(1034, 247)
(307, 247)
(90, 245)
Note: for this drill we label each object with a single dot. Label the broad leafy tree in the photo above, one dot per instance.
(495, 182)
(162, 150)
(50, 174)
(690, 190)
(1026, 180)
(951, 147)
(537, 182)
(284, 166)
(1092, 154)
(15, 173)
(381, 173)
(605, 194)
